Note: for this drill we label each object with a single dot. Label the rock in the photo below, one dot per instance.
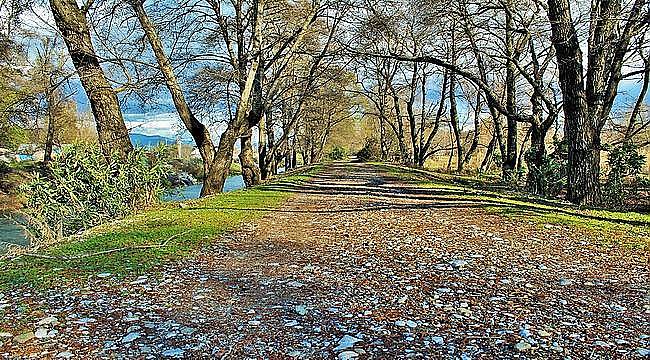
(175, 352)
(85, 321)
(617, 307)
(544, 333)
(40, 333)
(301, 310)
(104, 275)
(523, 346)
(411, 323)
(458, 263)
(24, 337)
(64, 355)
(254, 323)
(601, 343)
(566, 282)
(130, 337)
(6, 335)
(295, 284)
(643, 352)
(50, 320)
(438, 340)
(346, 342)
(139, 281)
(347, 355)
(400, 323)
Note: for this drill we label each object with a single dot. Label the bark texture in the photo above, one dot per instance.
(111, 129)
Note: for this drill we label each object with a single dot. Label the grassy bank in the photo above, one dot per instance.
(183, 230)
(627, 228)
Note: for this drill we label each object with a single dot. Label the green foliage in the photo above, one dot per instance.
(551, 176)
(337, 153)
(190, 227)
(624, 179)
(81, 188)
(371, 151)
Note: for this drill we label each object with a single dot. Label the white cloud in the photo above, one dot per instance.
(163, 124)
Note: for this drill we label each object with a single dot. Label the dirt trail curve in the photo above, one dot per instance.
(360, 265)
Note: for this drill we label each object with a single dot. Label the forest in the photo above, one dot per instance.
(471, 176)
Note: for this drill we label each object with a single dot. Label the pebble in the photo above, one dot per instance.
(64, 355)
(301, 310)
(50, 320)
(458, 263)
(347, 355)
(346, 342)
(130, 337)
(643, 352)
(523, 346)
(175, 352)
(40, 333)
(565, 282)
(25, 337)
(438, 340)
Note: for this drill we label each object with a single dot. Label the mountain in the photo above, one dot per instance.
(150, 140)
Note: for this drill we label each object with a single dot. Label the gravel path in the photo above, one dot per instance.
(357, 265)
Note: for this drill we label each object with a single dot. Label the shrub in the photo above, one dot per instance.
(337, 153)
(551, 176)
(624, 178)
(81, 189)
(371, 151)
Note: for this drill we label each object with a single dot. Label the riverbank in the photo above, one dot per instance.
(145, 240)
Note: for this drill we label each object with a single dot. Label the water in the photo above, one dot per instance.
(11, 233)
(194, 191)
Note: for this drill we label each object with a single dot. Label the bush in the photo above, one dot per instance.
(552, 175)
(81, 189)
(337, 153)
(624, 179)
(371, 151)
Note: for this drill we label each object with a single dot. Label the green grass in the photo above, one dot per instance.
(200, 223)
(628, 228)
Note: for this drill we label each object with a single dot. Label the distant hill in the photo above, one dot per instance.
(150, 140)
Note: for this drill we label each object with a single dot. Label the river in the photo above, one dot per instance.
(13, 234)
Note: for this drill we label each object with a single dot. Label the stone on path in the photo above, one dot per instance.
(346, 342)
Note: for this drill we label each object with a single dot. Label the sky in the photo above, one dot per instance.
(162, 120)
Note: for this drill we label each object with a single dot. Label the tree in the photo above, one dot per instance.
(589, 91)
(111, 129)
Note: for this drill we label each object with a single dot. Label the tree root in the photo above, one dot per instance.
(105, 252)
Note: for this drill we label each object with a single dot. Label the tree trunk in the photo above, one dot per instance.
(510, 161)
(199, 132)
(249, 169)
(219, 169)
(51, 118)
(453, 118)
(580, 130)
(487, 159)
(111, 130)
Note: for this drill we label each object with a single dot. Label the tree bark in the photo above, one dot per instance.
(111, 129)
(199, 132)
(580, 129)
(249, 169)
(453, 119)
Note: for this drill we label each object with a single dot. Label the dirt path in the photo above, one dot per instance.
(360, 265)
